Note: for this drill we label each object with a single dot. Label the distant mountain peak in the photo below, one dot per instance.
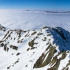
(2, 28)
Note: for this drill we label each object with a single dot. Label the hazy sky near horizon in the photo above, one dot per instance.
(35, 4)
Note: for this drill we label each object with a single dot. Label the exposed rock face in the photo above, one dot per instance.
(2, 28)
(44, 49)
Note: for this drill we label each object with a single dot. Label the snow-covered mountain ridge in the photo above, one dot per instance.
(44, 49)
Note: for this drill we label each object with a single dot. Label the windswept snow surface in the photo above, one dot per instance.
(30, 19)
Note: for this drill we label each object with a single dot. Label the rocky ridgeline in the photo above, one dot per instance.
(51, 45)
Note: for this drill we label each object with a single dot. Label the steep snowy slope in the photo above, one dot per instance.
(44, 49)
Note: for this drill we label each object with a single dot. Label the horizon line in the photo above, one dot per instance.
(18, 10)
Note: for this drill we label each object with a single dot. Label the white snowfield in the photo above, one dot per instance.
(43, 49)
(33, 19)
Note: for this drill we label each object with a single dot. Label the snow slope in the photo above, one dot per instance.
(33, 19)
(43, 49)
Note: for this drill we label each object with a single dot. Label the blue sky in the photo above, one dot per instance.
(35, 4)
